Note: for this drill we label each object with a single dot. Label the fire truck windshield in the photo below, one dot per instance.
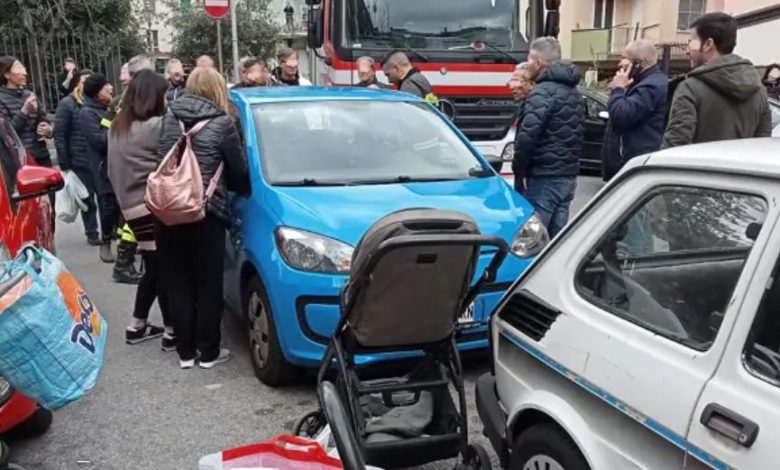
(432, 25)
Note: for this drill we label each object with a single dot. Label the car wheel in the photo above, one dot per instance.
(546, 447)
(36, 425)
(310, 424)
(267, 358)
(475, 457)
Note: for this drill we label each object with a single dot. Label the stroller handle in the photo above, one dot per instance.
(336, 415)
(32, 259)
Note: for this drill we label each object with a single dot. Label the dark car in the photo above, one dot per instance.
(774, 106)
(595, 126)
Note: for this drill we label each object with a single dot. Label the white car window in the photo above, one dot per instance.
(673, 263)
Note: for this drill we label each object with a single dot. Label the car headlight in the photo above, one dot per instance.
(6, 390)
(509, 152)
(311, 252)
(531, 239)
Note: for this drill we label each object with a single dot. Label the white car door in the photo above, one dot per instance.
(640, 295)
(737, 420)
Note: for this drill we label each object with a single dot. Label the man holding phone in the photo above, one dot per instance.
(637, 107)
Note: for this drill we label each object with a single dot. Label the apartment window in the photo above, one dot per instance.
(690, 11)
(602, 13)
(152, 39)
(150, 6)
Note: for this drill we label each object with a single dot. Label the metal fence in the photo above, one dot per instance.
(44, 55)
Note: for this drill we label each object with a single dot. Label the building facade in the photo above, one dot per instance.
(597, 30)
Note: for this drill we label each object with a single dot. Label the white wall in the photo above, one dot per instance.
(755, 43)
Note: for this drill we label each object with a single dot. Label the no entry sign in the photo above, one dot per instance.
(216, 8)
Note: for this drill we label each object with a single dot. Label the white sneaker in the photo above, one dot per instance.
(187, 364)
(224, 356)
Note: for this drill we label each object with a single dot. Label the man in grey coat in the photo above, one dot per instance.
(722, 98)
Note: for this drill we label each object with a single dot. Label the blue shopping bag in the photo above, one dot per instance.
(52, 337)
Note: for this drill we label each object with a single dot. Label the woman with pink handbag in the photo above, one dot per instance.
(203, 160)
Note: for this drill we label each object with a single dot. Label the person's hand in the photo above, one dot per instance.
(30, 105)
(105, 95)
(70, 73)
(621, 79)
(44, 130)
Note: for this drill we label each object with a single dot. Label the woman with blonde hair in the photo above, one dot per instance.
(191, 256)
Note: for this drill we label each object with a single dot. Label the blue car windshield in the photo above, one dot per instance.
(359, 142)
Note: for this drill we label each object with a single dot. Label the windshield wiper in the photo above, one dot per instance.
(310, 182)
(480, 47)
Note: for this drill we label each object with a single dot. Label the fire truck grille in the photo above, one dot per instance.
(483, 118)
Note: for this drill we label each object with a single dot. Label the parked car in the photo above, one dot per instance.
(647, 336)
(325, 164)
(25, 216)
(595, 127)
(774, 106)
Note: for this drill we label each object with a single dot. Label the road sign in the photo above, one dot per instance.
(216, 8)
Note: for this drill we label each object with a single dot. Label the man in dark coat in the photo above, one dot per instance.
(723, 97)
(367, 74)
(637, 108)
(550, 136)
(177, 82)
(97, 96)
(401, 73)
(73, 154)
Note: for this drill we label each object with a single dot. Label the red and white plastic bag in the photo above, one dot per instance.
(282, 453)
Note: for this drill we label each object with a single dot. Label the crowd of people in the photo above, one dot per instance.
(722, 98)
(114, 143)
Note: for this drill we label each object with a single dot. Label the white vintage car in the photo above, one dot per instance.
(647, 335)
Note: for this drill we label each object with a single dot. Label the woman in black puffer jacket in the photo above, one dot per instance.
(192, 256)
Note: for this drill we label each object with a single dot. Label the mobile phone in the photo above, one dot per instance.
(636, 68)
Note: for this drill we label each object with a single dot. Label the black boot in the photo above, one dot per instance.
(124, 269)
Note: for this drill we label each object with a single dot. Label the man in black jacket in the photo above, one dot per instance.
(72, 152)
(367, 74)
(637, 107)
(175, 71)
(409, 79)
(550, 136)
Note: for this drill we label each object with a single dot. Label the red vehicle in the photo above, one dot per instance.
(25, 216)
(467, 50)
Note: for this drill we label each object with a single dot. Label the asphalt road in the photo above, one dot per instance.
(146, 413)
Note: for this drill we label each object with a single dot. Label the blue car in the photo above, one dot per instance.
(325, 164)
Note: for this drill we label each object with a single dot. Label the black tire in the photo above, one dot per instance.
(4, 455)
(36, 425)
(548, 441)
(310, 424)
(476, 457)
(268, 360)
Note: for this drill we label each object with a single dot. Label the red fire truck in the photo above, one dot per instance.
(466, 48)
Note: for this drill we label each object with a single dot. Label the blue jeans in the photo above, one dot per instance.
(551, 197)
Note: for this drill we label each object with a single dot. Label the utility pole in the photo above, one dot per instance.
(234, 32)
(219, 45)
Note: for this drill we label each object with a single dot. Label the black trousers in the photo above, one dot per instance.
(150, 288)
(109, 216)
(192, 258)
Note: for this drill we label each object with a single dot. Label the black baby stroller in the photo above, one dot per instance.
(409, 284)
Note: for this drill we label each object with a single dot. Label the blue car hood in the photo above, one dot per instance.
(346, 212)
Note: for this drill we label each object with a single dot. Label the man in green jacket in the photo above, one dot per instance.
(722, 98)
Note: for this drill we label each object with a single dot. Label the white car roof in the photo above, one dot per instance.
(746, 156)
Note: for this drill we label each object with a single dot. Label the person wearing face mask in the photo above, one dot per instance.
(176, 81)
(72, 154)
(771, 81)
(722, 98)
(97, 94)
(287, 72)
(637, 108)
(21, 108)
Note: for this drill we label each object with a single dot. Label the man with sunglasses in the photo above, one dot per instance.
(722, 98)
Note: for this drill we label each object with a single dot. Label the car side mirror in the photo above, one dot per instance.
(34, 181)
(315, 35)
(604, 115)
(496, 163)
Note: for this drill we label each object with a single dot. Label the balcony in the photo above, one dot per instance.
(595, 45)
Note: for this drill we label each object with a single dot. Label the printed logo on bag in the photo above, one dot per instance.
(83, 311)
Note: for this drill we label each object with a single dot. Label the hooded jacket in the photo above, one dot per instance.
(637, 116)
(550, 135)
(72, 151)
(218, 142)
(721, 100)
(11, 102)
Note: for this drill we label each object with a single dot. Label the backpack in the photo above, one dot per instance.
(174, 192)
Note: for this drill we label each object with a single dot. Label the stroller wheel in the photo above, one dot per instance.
(475, 457)
(310, 424)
